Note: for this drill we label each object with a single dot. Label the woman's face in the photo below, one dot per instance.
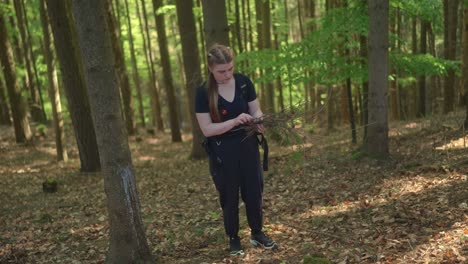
(223, 72)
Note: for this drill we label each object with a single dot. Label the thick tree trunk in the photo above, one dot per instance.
(53, 89)
(187, 29)
(136, 76)
(166, 67)
(266, 33)
(377, 141)
(18, 105)
(215, 22)
(125, 89)
(451, 48)
(128, 242)
(5, 116)
(75, 90)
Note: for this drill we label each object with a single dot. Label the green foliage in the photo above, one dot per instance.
(166, 10)
(419, 64)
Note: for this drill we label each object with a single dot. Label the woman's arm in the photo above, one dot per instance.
(254, 109)
(256, 112)
(209, 128)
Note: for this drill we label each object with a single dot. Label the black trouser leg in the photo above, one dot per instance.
(252, 185)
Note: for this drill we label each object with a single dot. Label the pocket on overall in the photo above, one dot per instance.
(213, 149)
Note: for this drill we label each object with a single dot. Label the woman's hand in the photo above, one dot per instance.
(243, 119)
(260, 128)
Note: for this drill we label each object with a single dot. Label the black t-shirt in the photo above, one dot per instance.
(244, 93)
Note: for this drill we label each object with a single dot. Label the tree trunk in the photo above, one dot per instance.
(377, 141)
(18, 105)
(34, 103)
(260, 42)
(465, 60)
(53, 89)
(128, 242)
(147, 47)
(238, 33)
(394, 82)
(451, 46)
(422, 78)
(187, 30)
(121, 70)
(215, 22)
(74, 87)
(266, 37)
(5, 116)
(136, 76)
(166, 67)
(365, 87)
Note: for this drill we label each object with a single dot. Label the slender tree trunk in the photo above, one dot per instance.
(166, 66)
(330, 108)
(238, 28)
(365, 88)
(465, 60)
(154, 83)
(128, 242)
(147, 48)
(5, 116)
(121, 70)
(260, 42)
(422, 78)
(215, 22)
(136, 76)
(53, 89)
(75, 91)
(35, 104)
(187, 29)
(434, 87)
(377, 141)
(18, 105)
(393, 83)
(202, 37)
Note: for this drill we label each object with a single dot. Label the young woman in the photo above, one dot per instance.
(225, 103)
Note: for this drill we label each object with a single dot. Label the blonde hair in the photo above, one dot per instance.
(217, 54)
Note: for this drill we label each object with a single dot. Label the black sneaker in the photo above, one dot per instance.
(235, 248)
(261, 239)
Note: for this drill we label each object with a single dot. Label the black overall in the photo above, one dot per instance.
(234, 160)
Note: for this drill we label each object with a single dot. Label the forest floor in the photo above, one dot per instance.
(323, 202)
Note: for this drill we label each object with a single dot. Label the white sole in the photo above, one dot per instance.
(256, 243)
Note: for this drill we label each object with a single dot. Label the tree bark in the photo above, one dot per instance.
(125, 88)
(35, 104)
(422, 78)
(136, 76)
(266, 33)
(465, 60)
(154, 91)
(5, 116)
(128, 242)
(18, 105)
(215, 22)
(187, 29)
(166, 67)
(53, 89)
(74, 87)
(377, 141)
(451, 48)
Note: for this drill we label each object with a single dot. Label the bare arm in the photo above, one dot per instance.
(209, 128)
(254, 109)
